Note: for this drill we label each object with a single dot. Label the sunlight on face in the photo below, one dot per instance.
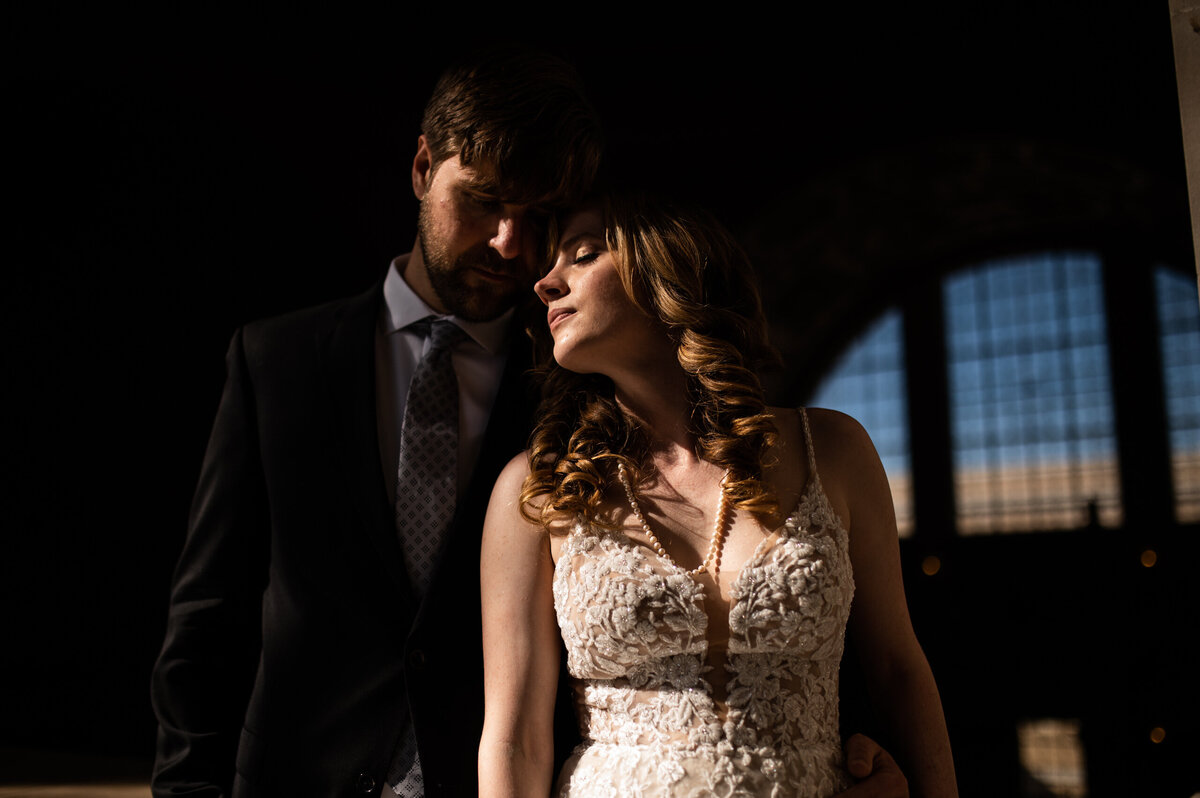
(595, 325)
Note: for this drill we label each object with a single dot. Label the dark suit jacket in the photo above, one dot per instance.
(293, 647)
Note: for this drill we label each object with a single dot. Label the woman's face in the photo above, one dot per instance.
(595, 325)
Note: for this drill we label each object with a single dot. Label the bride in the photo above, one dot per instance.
(699, 554)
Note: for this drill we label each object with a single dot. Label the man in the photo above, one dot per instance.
(324, 629)
(301, 645)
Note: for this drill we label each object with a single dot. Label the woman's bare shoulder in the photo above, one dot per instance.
(833, 421)
(838, 438)
(835, 435)
(515, 469)
(506, 499)
(850, 468)
(506, 493)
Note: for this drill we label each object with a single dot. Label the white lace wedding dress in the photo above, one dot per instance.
(655, 721)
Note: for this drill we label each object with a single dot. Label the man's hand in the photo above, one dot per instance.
(878, 774)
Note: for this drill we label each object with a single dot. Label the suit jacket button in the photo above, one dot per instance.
(364, 783)
(416, 659)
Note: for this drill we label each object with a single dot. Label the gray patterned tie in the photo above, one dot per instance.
(426, 491)
(426, 485)
(404, 777)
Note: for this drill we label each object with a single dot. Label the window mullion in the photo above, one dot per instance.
(1139, 405)
(929, 414)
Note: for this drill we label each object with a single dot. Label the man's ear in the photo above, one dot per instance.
(422, 168)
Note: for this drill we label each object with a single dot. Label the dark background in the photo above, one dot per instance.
(170, 179)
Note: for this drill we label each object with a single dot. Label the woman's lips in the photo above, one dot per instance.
(555, 316)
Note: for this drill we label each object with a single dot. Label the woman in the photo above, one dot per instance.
(697, 550)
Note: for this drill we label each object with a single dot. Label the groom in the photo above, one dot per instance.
(324, 627)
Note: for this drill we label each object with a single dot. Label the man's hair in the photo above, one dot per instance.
(523, 113)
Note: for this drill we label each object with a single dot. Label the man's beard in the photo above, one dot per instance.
(481, 300)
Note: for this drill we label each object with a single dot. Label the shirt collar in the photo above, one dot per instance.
(403, 307)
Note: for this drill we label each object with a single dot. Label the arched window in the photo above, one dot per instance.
(1179, 332)
(1028, 362)
(1031, 408)
(868, 382)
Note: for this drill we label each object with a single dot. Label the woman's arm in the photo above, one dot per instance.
(898, 675)
(520, 647)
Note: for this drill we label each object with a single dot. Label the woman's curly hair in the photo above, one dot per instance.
(681, 266)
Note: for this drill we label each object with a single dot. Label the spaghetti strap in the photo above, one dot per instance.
(808, 444)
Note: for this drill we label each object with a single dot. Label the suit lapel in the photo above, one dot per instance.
(349, 351)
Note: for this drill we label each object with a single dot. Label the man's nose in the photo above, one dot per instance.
(509, 238)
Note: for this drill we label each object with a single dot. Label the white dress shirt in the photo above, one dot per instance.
(478, 363)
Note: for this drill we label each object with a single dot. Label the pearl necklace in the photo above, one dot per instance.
(713, 558)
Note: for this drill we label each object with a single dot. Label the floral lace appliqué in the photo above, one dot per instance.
(634, 629)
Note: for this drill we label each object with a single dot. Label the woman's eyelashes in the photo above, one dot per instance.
(589, 249)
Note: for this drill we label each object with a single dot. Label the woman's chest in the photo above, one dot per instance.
(619, 604)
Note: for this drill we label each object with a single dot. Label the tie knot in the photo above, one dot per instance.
(443, 333)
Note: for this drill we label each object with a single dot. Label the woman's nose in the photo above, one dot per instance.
(550, 287)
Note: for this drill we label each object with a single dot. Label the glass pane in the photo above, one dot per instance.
(1034, 444)
(868, 383)
(1052, 761)
(1179, 328)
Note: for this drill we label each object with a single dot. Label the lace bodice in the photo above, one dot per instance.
(654, 720)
